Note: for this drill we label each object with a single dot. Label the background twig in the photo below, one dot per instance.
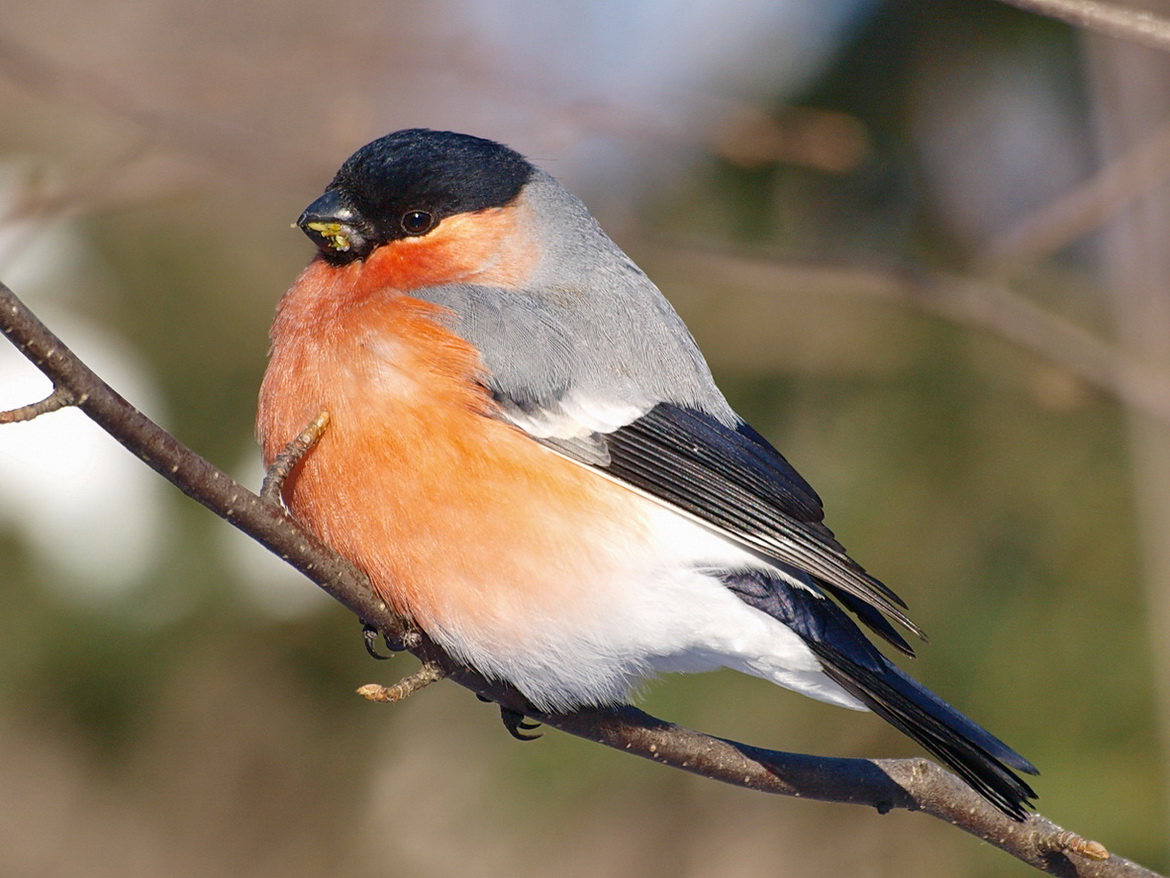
(1136, 26)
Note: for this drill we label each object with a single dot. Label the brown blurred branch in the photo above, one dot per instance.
(1135, 26)
(226, 148)
(1084, 208)
(972, 302)
(912, 784)
(21, 64)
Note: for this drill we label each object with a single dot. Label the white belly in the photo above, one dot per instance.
(659, 611)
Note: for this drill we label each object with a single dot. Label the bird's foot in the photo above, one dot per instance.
(286, 461)
(370, 636)
(514, 721)
(424, 676)
(517, 724)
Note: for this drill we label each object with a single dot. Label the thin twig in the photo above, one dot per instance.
(407, 686)
(913, 784)
(287, 460)
(58, 399)
(1132, 25)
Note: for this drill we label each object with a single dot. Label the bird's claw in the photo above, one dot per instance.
(370, 636)
(517, 724)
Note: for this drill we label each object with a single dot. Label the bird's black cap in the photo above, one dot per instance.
(407, 182)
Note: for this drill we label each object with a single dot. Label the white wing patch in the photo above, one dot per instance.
(575, 417)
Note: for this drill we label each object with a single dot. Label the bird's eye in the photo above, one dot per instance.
(417, 222)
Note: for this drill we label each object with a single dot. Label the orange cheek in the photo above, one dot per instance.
(493, 246)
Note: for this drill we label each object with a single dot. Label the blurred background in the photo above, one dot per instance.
(923, 244)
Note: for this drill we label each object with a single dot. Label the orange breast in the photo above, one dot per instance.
(461, 520)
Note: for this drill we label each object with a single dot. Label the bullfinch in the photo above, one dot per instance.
(527, 454)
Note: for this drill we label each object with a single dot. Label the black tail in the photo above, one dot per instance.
(977, 756)
(850, 660)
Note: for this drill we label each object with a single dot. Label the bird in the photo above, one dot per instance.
(527, 454)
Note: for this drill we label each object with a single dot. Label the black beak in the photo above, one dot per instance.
(335, 228)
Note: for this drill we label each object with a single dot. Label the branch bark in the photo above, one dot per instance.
(883, 784)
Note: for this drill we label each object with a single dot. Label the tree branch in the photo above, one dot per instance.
(1135, 26)
(911, 784)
